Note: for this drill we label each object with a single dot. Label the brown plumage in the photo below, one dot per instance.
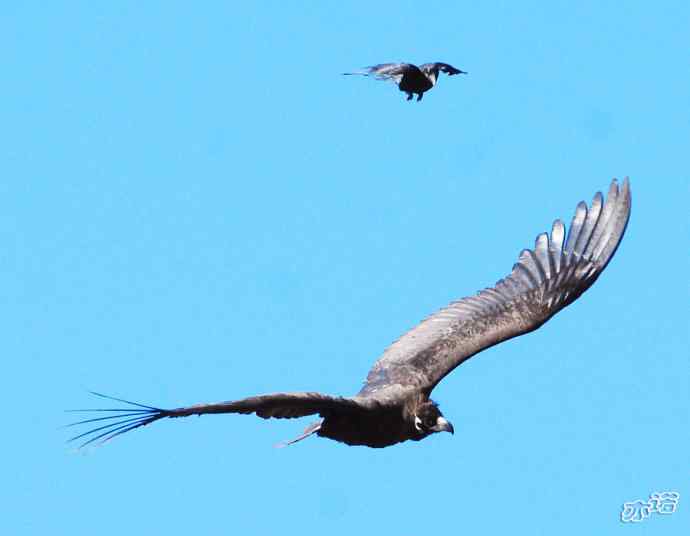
(394, 405)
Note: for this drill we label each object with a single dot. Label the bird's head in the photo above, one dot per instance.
(428, 419)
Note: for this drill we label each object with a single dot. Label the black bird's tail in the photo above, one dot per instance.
(120, 421)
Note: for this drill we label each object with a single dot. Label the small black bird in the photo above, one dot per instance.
(410, 78)
(394, 404)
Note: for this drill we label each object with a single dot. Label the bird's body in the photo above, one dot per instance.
(380, 428)
(410, 78)
(394, 404)
(415, 81)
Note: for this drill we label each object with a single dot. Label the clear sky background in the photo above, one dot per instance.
(195, 206)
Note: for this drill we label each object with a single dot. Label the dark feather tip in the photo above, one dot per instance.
(121, 421)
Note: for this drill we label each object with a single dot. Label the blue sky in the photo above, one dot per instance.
(196, 206)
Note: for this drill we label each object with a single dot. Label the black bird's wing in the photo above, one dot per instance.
(114, 422)
(544, 281)
(438, 66)
(388, 71)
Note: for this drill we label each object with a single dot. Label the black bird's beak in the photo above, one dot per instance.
(443, 425)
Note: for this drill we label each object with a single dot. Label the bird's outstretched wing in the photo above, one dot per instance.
(438, 66)
(279, 405)
(544, 281)
(388, 71)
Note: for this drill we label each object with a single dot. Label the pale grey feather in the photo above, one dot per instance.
(388, 71)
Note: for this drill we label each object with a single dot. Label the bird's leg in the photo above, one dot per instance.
(419, 96)
(409, 96)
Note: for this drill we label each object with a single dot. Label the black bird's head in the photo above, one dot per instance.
(428, 419)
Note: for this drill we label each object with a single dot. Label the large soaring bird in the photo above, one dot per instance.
(394, 404)
(410, 78)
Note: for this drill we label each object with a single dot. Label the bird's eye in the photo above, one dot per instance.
(430, 422)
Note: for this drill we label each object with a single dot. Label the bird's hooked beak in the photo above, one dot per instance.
(442, 425)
